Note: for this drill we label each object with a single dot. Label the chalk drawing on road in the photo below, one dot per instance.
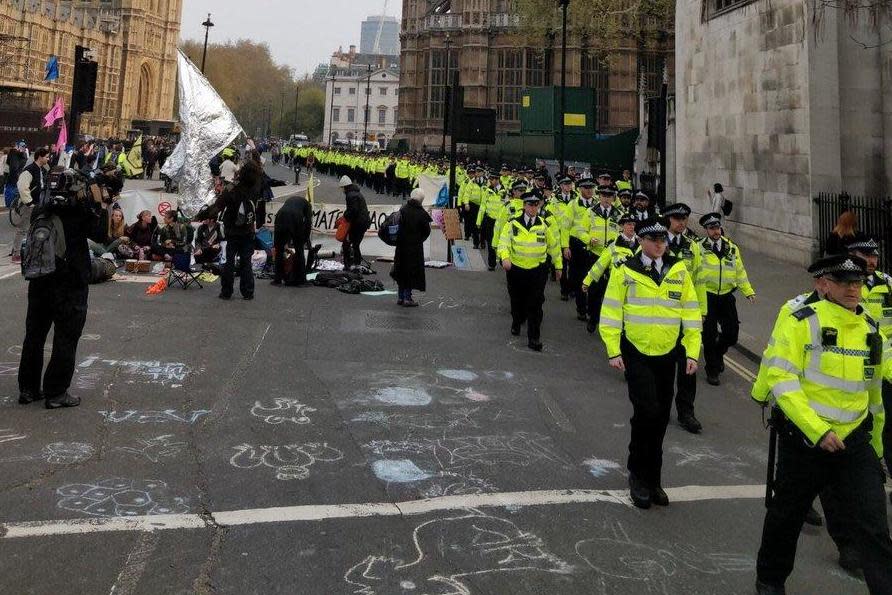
(90, 337)
(398, 471)
(707, 458)
(87, 380)
(601, 467)
(9, 368)
(154, 416)
(290, 461)
(170, 374)
(453, 419)
(463, 375)
(403, 396)
(661, 568)
(155, 449)
(283, 411)
(67, 453)
(7, 400)
(121, 497)
(446, 553)
(10, 435)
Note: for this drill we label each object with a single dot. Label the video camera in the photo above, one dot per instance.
(65, 187)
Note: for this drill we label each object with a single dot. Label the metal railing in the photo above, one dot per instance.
(442, 22)
(874, 219)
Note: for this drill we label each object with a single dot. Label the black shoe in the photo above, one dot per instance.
(768, 589)
(659, 497)
(713, 379)
(721, 367)
(535, 345)
(565, 298)
(814, 518)
(515, 330)
(248, 297)
(639, 492)
(26, 397)
(275, 282)
(224, 296)
(63, 400)
(690, 423)
(591, 327)
(581, 316)
(849, 560)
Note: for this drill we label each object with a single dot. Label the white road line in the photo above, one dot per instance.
(291, 514)
(8, 275)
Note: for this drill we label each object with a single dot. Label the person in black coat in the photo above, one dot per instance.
(239, 226)
(357, 214)
(408, 262)
(58, 300)
(292, 224)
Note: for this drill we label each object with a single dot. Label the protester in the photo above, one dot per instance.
(843, 234)
(293, 223)
(116, 238)
(208, 239)
(171, 238)
(357, 214)
(239, 226)
(141, 234)
(408, 261)
(30, 185)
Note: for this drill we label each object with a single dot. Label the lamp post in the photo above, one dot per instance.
(207, 29)
(564, 6)
(447, 94)
(368, 94)
(331, 109)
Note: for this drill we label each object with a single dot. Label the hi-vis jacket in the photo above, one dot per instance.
(471, 192)
(616, 254)
(827, 369)
(512, 208)
(579, 216)
(723, 273)
(651, 310)
(604, 229)
(490, 204)
(529, 248)
(876, 296)
(692, 255)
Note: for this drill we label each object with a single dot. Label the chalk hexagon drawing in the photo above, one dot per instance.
(121, 497)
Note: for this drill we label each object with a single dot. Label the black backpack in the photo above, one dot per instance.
(389, 230)
(44, 244)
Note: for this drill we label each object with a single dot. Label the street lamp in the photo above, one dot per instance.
(331, 109)
(564, 6)
(447, 95)
(207, 29)
(368, 93)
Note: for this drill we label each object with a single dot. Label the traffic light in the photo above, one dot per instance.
(83, 92)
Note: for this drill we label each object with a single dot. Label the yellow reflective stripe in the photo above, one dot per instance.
(652, 319)
(610, 322)
(652, 301)
(787, 386)
(849, 386)
(611, 303)
(691, 305)
(834, 413)
(782, 364)
(695, 324)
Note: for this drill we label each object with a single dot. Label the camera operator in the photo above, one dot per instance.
(59, 299)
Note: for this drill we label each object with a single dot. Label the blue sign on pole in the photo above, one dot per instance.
(460, 257)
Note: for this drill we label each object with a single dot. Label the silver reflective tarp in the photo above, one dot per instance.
(206, 128)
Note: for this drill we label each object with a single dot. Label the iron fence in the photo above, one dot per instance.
(874, 219)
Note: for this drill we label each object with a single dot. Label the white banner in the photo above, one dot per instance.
(133, 202)
(434, 187)
(325, 216)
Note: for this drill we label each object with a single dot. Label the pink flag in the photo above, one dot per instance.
(63, 137)
(58, 111)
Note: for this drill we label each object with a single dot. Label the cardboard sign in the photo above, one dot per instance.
(451, 224)
(325, 216)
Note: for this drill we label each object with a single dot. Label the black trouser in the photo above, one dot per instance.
(471, 231)
(60, 302)
(686, 384)
(566, 286)
(596, 297)
(857, 478)
(887, 429)
(350, 248)
(581, 262)
(526, 287)
(486, 237)
(243, 247)
(722, 312)
(651, 390)
(298, 275)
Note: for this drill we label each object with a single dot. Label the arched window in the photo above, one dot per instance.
(144, 91)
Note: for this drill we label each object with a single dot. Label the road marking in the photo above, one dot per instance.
(12, 274)
(291, 514)
(739, 369)
(136, 563)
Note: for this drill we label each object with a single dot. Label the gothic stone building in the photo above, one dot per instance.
(133, 41)
(496, 64)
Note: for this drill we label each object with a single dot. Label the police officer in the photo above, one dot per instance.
(617, 252)
(722, 273)
(579, 216)
(490, 207)
(876, 296)
(825, 379)
(565, 196)
(524, 246)
(469, 198)
(604, 230)
(682, 248)
(58, 300)
(650, 302)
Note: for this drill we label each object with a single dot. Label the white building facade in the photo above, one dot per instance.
(345, 107)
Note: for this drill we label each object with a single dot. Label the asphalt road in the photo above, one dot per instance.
(317, 442)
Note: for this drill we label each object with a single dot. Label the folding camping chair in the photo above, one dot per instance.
(181, 271)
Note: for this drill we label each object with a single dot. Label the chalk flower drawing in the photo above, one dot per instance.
(282, 411)
(290, 461)
(155, 449)
(473, 543)
(654, 568)
(67, 453)
(121, 497)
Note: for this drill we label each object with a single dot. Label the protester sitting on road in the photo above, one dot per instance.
(117, 237)
(208, 239)
(357, 214)
(140, 234)
(408, 261)
(171, 238)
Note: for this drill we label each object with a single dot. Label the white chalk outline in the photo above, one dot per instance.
(290, 514)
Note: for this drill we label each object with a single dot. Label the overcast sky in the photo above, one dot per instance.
(300, 33)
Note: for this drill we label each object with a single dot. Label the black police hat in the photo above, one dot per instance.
(565, 180)
(642, 195)
(588, 183)
(493, 175)
(519, 185)
(679, 209)
(606, 190)
(625, 192)
(626, 218)
(711, 220)
(531, 196)
(839, 266)
(867, 246)
(651, 228)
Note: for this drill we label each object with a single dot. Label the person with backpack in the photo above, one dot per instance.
(357, 215)
(408, 261)
(56, 262)
(239, 226)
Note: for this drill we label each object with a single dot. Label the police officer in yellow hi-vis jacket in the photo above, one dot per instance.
(650, 301)
(524, 246)
(824, 377)
(722, 273)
